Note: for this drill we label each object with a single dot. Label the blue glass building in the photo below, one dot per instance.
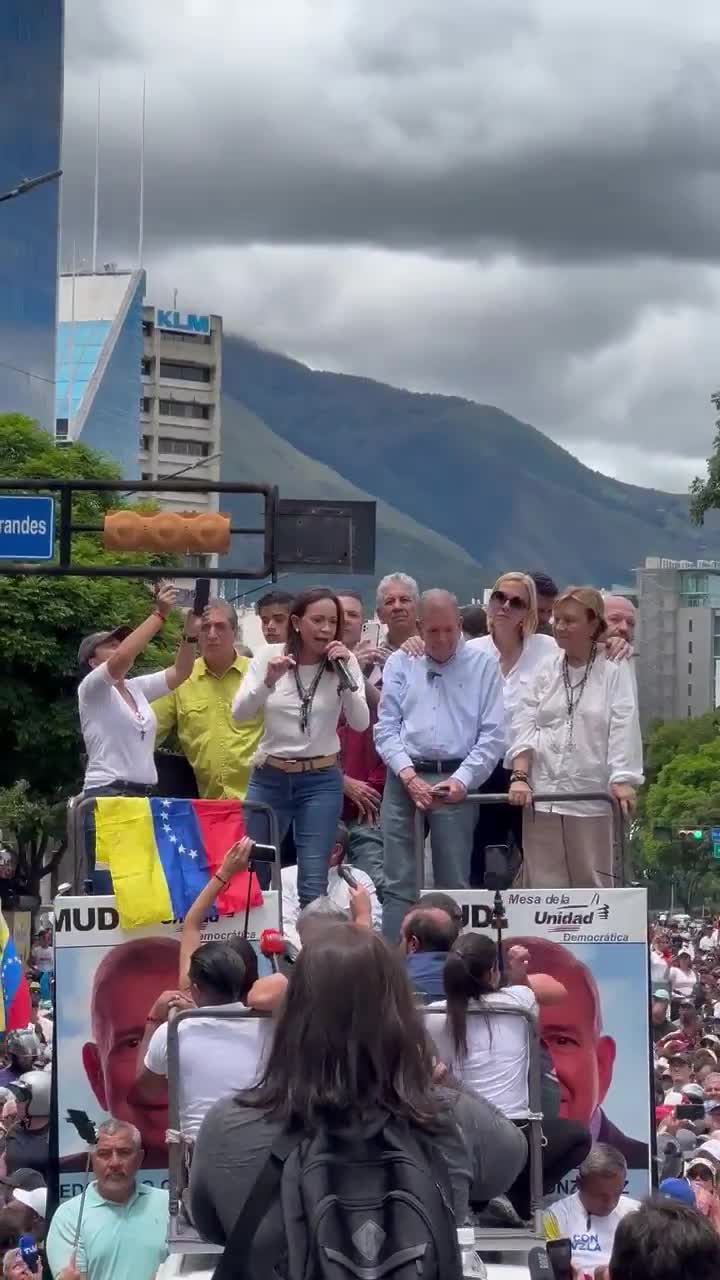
(31, 70)
(99, 364)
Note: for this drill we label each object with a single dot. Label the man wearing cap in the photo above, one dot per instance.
(118, 724)
(659, 1020)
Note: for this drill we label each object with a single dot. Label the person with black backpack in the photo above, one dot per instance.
(345, 1159)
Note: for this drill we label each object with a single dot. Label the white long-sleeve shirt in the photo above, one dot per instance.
(536, 651)
(338, 892)
(282, 735)
(606, 747)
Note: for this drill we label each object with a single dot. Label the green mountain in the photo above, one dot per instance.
(255, 454)
(490, 484)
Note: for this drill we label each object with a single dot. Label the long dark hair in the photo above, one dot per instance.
(299, 608)
(467, 975)
(349, 1040)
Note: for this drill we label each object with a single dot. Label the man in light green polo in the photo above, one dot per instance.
(219, 751)
(124, 1221)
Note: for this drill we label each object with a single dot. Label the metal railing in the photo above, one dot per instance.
(183, 1236)
(76, 866)
(620, 869)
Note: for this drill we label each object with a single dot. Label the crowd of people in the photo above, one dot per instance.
(389, 1031)
(532, 697)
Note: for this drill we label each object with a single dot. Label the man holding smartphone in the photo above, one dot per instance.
(441, 732)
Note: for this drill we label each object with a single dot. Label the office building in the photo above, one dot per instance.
(678, 645)
(31, 79)
(99, 360)
(180, 421)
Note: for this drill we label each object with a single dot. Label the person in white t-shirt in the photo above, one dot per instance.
(217, 1056)
(117, 722)
(338, 891)
(683, 978)
(590, 1217)
(489, 1055)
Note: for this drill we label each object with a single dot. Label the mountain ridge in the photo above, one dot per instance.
(495, 487)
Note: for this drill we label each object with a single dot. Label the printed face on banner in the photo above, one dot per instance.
(596, 945)
(106, 984)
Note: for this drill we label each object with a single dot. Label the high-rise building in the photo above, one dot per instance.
(678, 645)
(180, 421)
(31, 79)
(99, 357)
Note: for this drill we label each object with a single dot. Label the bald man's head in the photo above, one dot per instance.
(427, 929)
(572, 1030)
(440, 624)
(621, 618)
(128, 981)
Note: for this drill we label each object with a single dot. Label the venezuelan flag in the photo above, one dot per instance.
(161, 853)
(15, 1012)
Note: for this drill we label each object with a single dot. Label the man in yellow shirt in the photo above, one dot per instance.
(219, 750)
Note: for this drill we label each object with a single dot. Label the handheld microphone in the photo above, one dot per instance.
(272, 945)
(539, 1264)
(29, 1252)
(342, 672)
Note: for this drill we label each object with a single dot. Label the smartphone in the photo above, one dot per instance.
(347, 876)
(202, 595)
(560, 1255)
(690, 1111)
(263, 853)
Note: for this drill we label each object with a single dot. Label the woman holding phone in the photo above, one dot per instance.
(303, 695)
(117, 721)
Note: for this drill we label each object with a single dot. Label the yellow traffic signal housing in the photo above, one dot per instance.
(168, 532)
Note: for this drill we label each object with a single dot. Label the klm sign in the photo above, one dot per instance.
(182, 322)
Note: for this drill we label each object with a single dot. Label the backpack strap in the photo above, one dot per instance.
(236, 1254)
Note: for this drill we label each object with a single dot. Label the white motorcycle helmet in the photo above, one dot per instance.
(33, 1088)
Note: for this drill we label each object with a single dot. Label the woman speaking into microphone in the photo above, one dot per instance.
(304, 687)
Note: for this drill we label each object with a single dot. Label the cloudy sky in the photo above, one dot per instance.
(516, 201)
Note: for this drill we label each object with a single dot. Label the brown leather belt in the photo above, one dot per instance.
(301, 766)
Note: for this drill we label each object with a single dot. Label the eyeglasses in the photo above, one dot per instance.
(513, 602)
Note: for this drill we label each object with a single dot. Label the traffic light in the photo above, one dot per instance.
(696, 834)
(168, 532)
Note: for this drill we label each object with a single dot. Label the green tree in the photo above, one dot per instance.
(685, 795)
(42, 621)
(705, 494)
(33, 830)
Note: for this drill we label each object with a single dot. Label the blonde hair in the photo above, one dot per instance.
(530, 621)
(590, 600)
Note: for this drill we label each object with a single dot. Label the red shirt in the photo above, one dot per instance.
(360, 760)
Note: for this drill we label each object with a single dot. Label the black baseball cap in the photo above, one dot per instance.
(91, 642)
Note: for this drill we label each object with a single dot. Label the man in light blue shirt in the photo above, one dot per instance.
(124, 1221)
(440, 731)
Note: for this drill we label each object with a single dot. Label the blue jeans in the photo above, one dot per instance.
(313, 802)
(365, 851)
(451, 837)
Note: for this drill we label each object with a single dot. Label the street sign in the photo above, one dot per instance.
(27, 527)
(716, 851)
(715, 835)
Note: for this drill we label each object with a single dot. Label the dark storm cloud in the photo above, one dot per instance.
(510, 200)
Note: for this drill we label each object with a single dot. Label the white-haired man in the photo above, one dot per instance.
(397, 601)
(441, 732)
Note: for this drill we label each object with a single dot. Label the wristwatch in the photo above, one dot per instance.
(190, 639)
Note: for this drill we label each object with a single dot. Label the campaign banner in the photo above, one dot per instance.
(106, 981)
(595, 943)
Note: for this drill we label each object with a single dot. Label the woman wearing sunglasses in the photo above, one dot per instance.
(512, 618)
